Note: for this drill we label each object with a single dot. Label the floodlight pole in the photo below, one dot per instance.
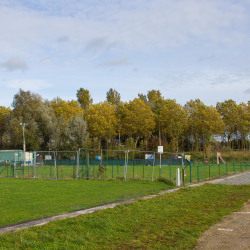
(119, 126)
(49, 140)
(159, 133)
(203, 144)
(24, 149)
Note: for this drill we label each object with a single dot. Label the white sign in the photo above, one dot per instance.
(48, 157)
(160, 149)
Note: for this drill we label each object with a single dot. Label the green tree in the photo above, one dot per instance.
(73, 136)
(113, 97)
(29, 108)
(84, 98)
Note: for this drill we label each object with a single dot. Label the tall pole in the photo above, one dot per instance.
(159, 133)
(24, 149)
(119, 136)
(203, 144)
(49, 140)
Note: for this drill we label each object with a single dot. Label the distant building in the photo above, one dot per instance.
(16, 156)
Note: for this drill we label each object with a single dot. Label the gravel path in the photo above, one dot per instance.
(239, 179)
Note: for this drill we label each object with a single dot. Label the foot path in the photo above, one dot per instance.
(233, 231)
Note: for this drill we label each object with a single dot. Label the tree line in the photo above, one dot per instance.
(61, 125)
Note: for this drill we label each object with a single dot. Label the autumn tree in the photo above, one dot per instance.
(243, 124)
(65, 109)
(228, 111)
(137, 119)
(4, 113)
(200, 115)
(143, 97)
(84, 98)
(102, 120)
(113, 97)
(171, 118)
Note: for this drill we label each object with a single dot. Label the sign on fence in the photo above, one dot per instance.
(160, 149)
(48, 157)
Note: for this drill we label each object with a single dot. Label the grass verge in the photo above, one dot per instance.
(170, 221)
(23, 199)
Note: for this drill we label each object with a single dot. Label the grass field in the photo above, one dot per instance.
(23, 199)
(170, 221)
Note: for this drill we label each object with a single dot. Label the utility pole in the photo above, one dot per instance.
(24, 149)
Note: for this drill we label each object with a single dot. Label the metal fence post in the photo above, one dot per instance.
(143, 168)
(34, 165)
(219, 170)
(133, 169)
(209, 172)
(112, 168)
(153, 168)
(190, 174)
(77, 162)
(198, 174)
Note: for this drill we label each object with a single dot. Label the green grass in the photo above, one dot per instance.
(171, 221)
(23, 199)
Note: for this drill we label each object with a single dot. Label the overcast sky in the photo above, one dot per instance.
(187, 49)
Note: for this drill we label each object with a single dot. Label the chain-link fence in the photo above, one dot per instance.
(201, 172)
(128, 164)
(111, 164)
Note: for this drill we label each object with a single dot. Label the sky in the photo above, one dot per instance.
(187, 49)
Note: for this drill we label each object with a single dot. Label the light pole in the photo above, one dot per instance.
(24, 149)
(203, 143)
(119, 127)
(159, 133)
(49, 140)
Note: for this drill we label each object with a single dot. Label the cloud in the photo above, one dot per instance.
(100, 43)
(96, 43)
(30, 84)
(247, 91)
(62, 39)
(115, 62)
(202, 58)
(14, 63)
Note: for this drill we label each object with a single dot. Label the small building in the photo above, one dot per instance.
(16, 155)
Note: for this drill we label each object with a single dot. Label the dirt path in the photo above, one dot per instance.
(233, 232)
